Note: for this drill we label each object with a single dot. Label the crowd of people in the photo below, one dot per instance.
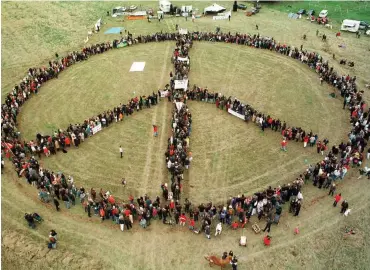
(178, 155)
(238, 209)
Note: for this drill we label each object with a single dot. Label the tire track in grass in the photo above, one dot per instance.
(146, 172)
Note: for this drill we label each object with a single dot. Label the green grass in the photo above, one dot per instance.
(338, 10)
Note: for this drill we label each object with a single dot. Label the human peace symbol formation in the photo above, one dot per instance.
(178, 154)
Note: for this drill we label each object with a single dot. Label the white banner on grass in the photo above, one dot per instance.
(181, 84)
(183, 31)
(223, 16)
(236, 114)
(96, 129)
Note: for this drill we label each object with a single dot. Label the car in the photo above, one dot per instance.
(301, 11)
(323, 13)
(242, 7)
(364, 25)
(311, 12)
(254, 10)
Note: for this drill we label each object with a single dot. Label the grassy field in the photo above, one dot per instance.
(338, 10)
(230, 156)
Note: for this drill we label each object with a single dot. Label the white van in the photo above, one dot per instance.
(323, 13)
(350, 26)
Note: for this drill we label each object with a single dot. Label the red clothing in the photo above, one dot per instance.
(284, 143)
(305, 139)
(111, 200)
(155, 128)
(234, 225)
(127, 212)
(172, 205)
(337, 198)
(182, 218)
(67, 141)
(102, 212)
(266, 241)
(114, 211)
(192, 223)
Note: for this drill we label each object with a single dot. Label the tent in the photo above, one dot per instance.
(214, 9)
(165, 6)
(186, 9)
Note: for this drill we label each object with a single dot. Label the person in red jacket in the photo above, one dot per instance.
(155, 130)
(182, 219)
(337, 199)
(191, 224)
(102, 214)
(283, 145)
(267, 240)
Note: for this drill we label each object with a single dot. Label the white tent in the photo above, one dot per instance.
(165, 5)
(186, 9)
(214, 9)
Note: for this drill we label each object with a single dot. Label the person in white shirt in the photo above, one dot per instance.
(218, 229)
(121, 151)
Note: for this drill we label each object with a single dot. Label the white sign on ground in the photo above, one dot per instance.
(183, 31)
(137, 66)
(223, 16)
(236, 114)
(181, 84)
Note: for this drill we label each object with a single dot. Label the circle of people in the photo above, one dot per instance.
(238, 209)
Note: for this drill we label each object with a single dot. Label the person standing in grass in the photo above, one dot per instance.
(121, 151)
(155, 130)
(344, 207)
(284, 144)
(56, 203)
(337, 199)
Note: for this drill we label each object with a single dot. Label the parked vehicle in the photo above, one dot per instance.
(323, 13)
(364, 25)
(311, 12)
(350, 26)
(242, 7)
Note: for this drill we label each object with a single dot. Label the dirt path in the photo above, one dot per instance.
(147, 175)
